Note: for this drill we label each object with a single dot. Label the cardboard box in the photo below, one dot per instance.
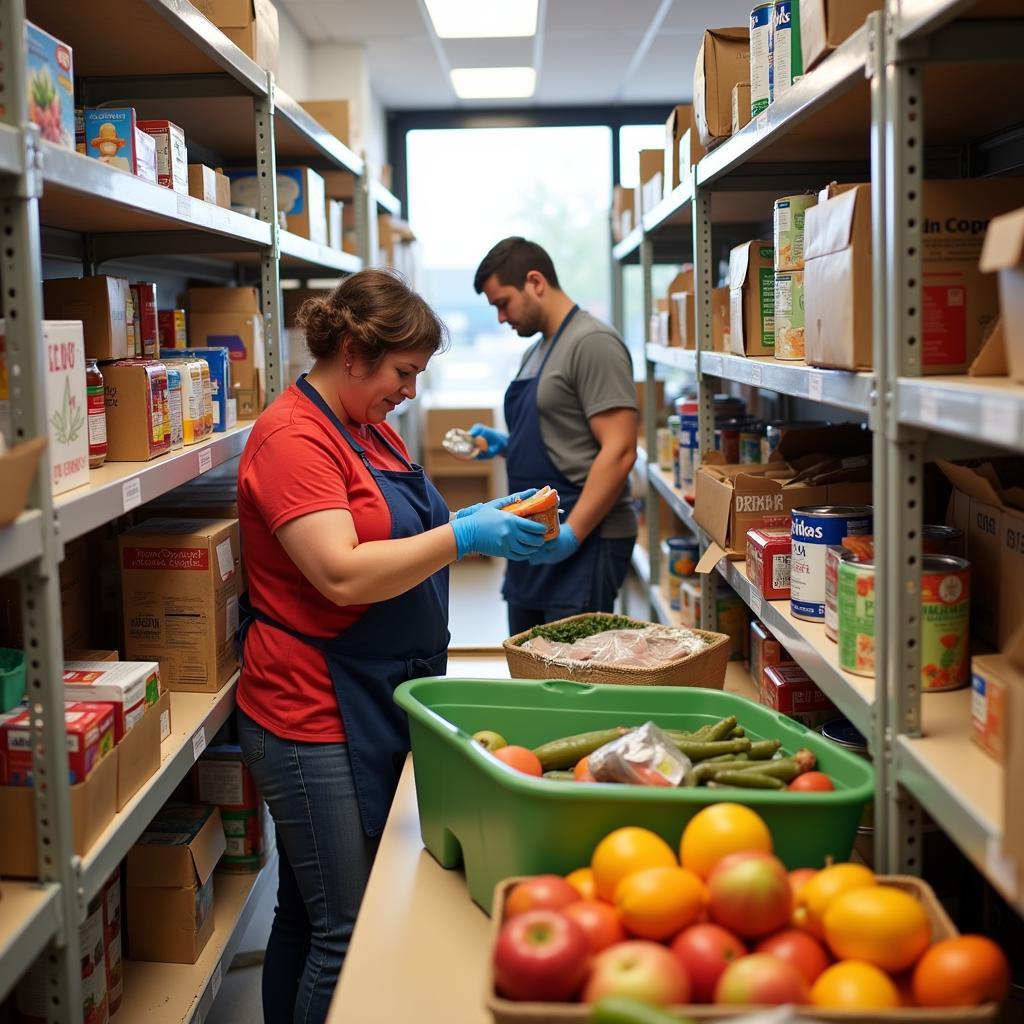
(144, 297)
(251, 25)
(789, 689)
(223, 188)
(77, 654)
(136, 400)
(221, 779)
(300, 195)
(100, 303)
(231, 318)
(113, 136)
(50, 67)
(959, 302)
(682, 148)
(93, 805)
(1013, 756)
(622, 204)
(336, 116)
(682, 282)
(824, 24)
(732, 499)
(171, 154)
(131, 686)
(202, 183)
(334, 214)
(683, 320)
(993, 679)
(138, 754)
(648, 192)
(765, 650)
(752, 298)
(340, 185)
(720, 319)
(169, 878)
(180, 581)
(723, 61)
(1004, 252)
(171, 329)
(740, 106)
(65, 398)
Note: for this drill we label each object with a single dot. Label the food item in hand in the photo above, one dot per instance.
(749, 894)
(965, 971)
(656, 903)
(624, 851)
(719, 830)
(491, 741)
(825, 886)
(542, 956)
(705, 951)
(541, 507)
(462, 444)
(812, 782)
(798, 948)
(880, 924)
(542, 892)
(639, 970)
(761, 979)
(599, 921)
(521, 759)
(854, 985)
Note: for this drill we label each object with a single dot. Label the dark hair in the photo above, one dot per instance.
(376, 312)
(512, 259)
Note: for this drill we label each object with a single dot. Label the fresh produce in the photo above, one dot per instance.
(799, 949)
(719, 830)
(564, 754)
(583, 626)
(657, 903)
(617, 1010)
(639, 970)
(581, 773)
(880, 924)
(491, 741)
(798, 878)
(812, 782)
(582, 880)
(965, 971)
(624, 851)
(542, 956)
(705, 950)
(749, 894)
(854, 985)
(543, 892)
(600, 923)
(828, 883)
(761, 979)
(521, 759)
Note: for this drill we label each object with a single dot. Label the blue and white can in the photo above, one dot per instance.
(689, 446)
(760, 29)
(785, 63)
(813, 529)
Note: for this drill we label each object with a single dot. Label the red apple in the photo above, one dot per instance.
(799, 949)
(599, 921)
(749, 894)
(761, 979)
(640, 970)
(543, 892)
(541, 955)
(705, 950)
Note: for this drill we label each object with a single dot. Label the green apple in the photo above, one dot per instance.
(491, 741)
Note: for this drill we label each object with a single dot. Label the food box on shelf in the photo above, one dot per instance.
(335, 214)
(51, 92)
(221, 778)
(752, 298)
(144, 297)
(765, 650)
(768, 560)
(336, 116)
(171, 154)
(252, 25)
(180, 583)
(682, 147)
(789, 689)
(300, 195)
(466, 797)
(202, 183)
(217, 379)
(824, 24)
(723, 60)
(647, 193)
(113, 136)
(1004, 252)
(131, 686)
(171, 328)
(740, 106)
(170, 880)
(995, 681)
(137, 410)
(65, 406)
(100, 303)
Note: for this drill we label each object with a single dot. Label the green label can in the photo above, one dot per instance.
(789, 215)
(760, 28)
(945, 620)
(766, 290)
(856, 615)
(789, 314)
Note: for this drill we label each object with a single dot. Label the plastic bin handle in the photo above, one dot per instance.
(567, 686)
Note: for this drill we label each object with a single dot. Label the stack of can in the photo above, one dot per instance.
(789, 275)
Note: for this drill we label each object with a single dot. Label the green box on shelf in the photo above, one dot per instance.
(498, 823)
(12, 678)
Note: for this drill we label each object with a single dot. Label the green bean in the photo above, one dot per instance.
(556, 776)
(564, 753)
(726, 757)
(762, 750)
(701, 749)
(748, 780)
(784, 768)
(707, 770)
(738, 733)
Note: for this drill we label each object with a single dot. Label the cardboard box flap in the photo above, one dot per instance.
(739, 263)
(177, 865)
(228, 13)
(713, 554)
(828, 227)
(1004, 242)
(682, 282)
(973, 482)
(991, 359)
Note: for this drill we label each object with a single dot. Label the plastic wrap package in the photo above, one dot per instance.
(462, 444)
(643, 757)
(649, 647)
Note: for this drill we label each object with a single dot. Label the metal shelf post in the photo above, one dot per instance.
(270, 267)
(653, 504)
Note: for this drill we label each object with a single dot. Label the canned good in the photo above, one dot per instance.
(789, 215)
(689, 446)
(789, 314)
(942, 540)
(786, 61)
(675, 429)
(813, 529)
(765, 650)
(681, 555)
(856, 614)
(789, 689)
(727, 441)
(174, 407)
(665, 457)
(833, 554)
(760, 29)
(731, 610)
(768, 561)
(945, 617)
(750, 442)
(843, 733)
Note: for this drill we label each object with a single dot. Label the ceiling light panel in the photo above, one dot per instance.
(493, 83)
(482, 19)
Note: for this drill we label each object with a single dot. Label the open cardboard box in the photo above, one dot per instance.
(138, 753)
(17, 468)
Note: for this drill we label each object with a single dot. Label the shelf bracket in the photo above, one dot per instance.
(652, 501)
(270, 271)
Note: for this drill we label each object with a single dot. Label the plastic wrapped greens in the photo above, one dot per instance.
(647, 647)
(643, 757)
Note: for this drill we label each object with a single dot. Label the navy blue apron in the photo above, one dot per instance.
(565, 586)
(405, 637)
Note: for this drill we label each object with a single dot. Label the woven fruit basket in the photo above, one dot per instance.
(505, 1011)
(706, 668)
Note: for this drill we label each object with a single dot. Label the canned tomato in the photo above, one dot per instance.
(760, 29)
(768, 558)
(856, 614)
(833, 554)
(789, 215)
(789, 314)
(945, 615)
(785, 62)
(813, 529)
(750, 442)
(665, 457)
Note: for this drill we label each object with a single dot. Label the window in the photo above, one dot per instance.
(633, 138)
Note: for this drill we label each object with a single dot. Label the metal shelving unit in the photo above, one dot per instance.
(229, 106)
(864, 114)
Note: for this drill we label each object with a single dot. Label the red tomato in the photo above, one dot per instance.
(812, 782)
(582, 771)
(544, 892)
(705, 951)
(799, 949)
(521, 759)
(599, 921)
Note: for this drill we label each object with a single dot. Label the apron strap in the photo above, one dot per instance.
(554, 341)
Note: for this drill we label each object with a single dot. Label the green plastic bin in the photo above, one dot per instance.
(12, 677)
(499, 823)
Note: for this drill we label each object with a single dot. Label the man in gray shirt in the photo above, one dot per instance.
(572, 422)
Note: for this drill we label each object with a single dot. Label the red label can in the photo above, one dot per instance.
(768, 561)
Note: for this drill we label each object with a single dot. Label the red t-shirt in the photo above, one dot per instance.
(297, 462)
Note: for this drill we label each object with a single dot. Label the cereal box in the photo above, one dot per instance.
(112, 136)
(51, 93)
(130, 685)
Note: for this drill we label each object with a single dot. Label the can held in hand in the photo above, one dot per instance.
(945, 620)
(786, 62)
(760, 29)
(789, 314)
(789, 216)
(813, 529)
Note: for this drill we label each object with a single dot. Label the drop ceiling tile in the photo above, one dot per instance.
(570, 16)
(694, 16)
(406, 74)
(666, 72)
(363, 20)
(306, 17)
(488, 53)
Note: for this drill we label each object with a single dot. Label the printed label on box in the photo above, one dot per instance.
(225, 559)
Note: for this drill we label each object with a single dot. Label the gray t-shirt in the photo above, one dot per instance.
(590, 371)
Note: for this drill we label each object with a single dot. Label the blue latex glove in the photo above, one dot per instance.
(497, 442)
(489, 531)
(496, 502)
(564, 546)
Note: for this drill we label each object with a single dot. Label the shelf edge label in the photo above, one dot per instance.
(205, 461)
(198, 741)
(131, 494)
(1001, 867)
(815, 387)
(755, 601)
(929, 407)
(1000, 421)
(755, 375)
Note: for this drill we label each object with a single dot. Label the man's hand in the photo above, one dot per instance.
(564, 546)
(497, 442)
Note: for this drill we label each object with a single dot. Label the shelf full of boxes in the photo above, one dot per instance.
(890, 95)
(155, 124)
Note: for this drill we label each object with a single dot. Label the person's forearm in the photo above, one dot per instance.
(604, 485)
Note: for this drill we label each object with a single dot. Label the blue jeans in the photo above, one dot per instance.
(325, 861)
(613, 558)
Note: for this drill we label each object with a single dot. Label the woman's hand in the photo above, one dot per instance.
(564, 546)
(489, 531)
(496, 502)
(497, 442)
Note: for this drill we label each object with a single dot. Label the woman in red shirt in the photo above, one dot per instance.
(347, 545)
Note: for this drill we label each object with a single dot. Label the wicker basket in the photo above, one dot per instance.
(505, 1011)
(706, 668)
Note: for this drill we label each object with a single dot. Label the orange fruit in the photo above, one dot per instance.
(582, 880)
(854, 985)
(656, 903)
(523, 760)
(816, 893)
(624, 851)
(719, 830)
(879, 924)
(582, 771)
(966, 971)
